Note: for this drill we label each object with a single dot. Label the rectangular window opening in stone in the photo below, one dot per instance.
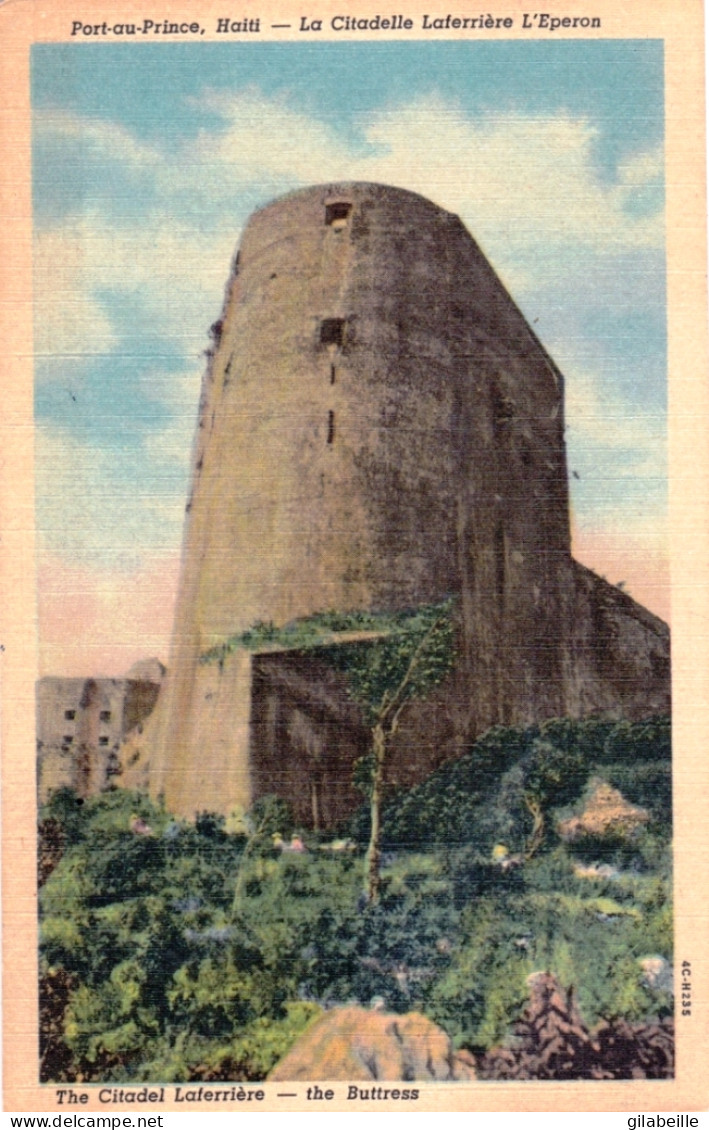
(336, 213)
(105, 716)
(330, 426)
(69, 715)
(103, 741)
(68, 739)
(332, 331)
(332, 374)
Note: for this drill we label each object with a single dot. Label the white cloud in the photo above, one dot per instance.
(178, 391)
(176, 273)
(519, 181)
(171, 444)
(562, 238)
(69, 319)
(527, 188)
(642, 169)
(110, 142)
(103, 505)
(617, 459)
(600, 418)
(264, 139)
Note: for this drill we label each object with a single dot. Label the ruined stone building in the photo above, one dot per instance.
(379, 428)
(82, 722)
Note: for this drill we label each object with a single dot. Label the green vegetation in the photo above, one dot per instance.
(407, 655)
(311, 632)
(384, 676)
(175, 951)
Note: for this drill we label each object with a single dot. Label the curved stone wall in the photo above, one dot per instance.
(379, 428)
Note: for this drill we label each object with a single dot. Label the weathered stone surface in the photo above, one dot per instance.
(620, 653)
(147, 671)
(379, 428)
(82, 722)
(358, 1043)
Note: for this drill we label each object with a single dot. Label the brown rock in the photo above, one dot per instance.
(607, 812)
(358, 1043)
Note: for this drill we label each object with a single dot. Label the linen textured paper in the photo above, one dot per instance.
(354, 536)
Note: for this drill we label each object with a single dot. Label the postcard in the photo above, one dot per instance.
(354, 540)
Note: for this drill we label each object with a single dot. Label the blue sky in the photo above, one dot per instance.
(149, 158)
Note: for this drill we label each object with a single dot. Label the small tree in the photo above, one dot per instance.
(411, 657)
(405, 656)
(552, 777)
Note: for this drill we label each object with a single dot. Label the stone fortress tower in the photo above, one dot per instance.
(379, 428)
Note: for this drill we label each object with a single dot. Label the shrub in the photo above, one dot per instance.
(186, 952)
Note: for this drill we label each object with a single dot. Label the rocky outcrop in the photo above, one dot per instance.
(359, 1044)
(607, 813)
